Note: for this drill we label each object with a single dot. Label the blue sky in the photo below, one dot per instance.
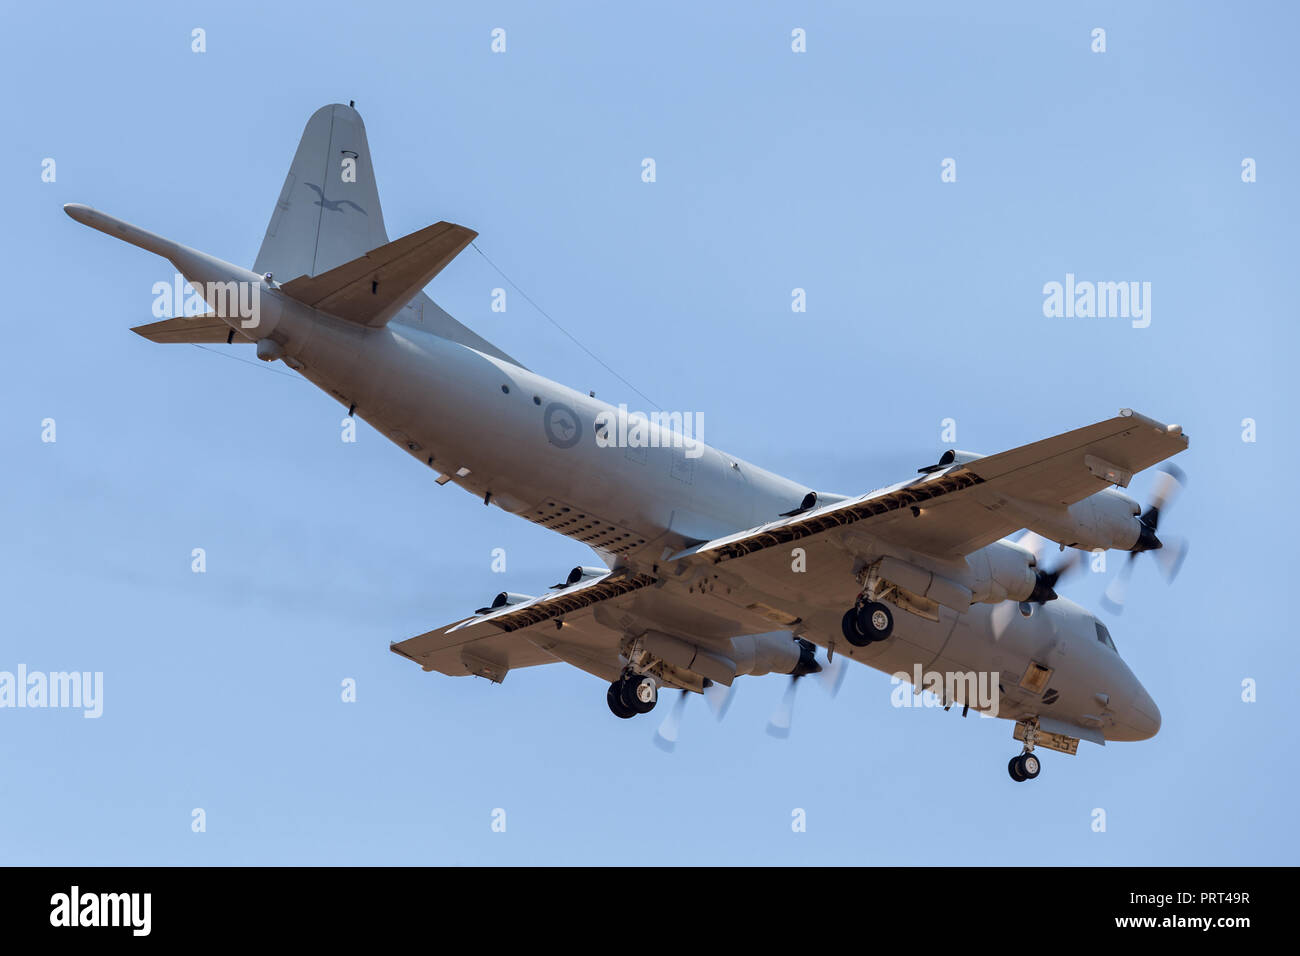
(775, 170)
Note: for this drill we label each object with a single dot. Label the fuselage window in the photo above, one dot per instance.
(1103, 635)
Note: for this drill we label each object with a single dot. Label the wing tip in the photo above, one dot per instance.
(1173, 431)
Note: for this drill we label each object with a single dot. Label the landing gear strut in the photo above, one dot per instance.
(1026, 765)
(868, 620)
(632, 694)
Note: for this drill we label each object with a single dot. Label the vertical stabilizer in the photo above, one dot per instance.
(328, 211)
(328, 214)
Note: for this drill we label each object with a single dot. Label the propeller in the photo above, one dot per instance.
(1047, 579)
(1169, 554)
(830, 675)
(718, 697)
(778, 725)
(666, 736)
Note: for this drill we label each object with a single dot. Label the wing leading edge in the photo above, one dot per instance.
(488, 645)
(960, 508)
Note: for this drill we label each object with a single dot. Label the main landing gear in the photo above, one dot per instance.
(632, 694)
(867, 622)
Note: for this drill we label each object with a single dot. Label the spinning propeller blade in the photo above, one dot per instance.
(778, 725)
(1169, 554)
(719, 698)
(1117, 590)
(1168, 485)
(666, 736)
(1039, 547)
(830, 675)
(1169, 559)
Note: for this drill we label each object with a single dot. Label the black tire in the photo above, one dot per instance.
(614, 698)
(1030, 766)
(623, 688)
(875, 621)
(1013, 768)
(849, 625)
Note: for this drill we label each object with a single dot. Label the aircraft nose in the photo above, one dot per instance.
(1142, 718)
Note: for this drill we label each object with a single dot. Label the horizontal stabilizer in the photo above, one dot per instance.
(372, 289)
(206, 329)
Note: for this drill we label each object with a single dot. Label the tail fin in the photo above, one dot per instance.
(328, 214)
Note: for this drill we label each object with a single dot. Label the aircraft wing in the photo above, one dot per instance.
(959, 507)
(585, 625)
(558, 626)
(954, 510)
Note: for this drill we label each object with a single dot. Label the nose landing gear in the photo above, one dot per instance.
(1024, 767)
(632, 694)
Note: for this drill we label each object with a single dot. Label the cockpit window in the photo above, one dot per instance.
(1103, 635)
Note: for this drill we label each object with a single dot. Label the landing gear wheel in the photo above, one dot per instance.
(849, 625)
(639, 694)
(1024, 767)
(614, 698)
(642, 693)
(875, 621)
(1029, 766)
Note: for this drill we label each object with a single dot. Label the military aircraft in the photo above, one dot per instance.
(711, 567)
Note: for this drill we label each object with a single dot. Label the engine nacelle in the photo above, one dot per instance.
(773, 653)
(655, 647)
(777, 652)
(1108, 519)
(1001, 571)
